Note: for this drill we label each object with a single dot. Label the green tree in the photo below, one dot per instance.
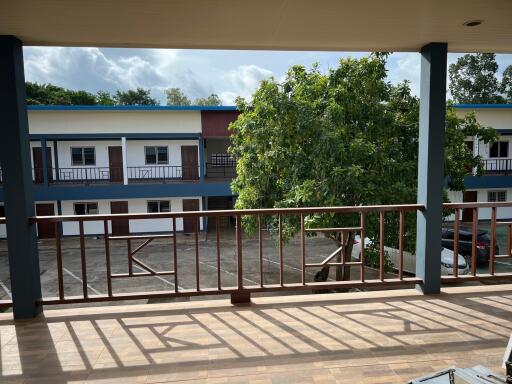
(49, 94)
(506, 84)
(212, 100)
(175, 96)
(344, 138)
(473, 79)
(104, 98)
(139, 96)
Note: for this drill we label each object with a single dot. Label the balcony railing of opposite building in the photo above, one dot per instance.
(498, 166)
(220, 171)
(163, 173)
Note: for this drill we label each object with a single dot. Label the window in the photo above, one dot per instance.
(493, 196)
(86, 208)
(222, 160)
(83, 156)
(156, 155)
(159, 206)
(2, 211)
(499, 149)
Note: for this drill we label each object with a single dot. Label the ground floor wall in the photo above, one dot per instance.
(134, 206)
(483, 196)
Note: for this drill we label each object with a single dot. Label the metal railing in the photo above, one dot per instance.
(497, 166)
(163, 173)
(219, 171)
(385, 220)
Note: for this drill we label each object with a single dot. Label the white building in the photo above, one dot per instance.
(99, 159)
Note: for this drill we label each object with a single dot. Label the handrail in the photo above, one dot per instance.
(232, 212)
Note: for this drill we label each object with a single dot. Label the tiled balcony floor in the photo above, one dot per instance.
(365, 337)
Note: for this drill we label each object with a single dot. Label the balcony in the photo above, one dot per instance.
(216, 171)
(498, 166)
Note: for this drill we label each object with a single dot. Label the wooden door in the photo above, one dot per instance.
(469, 197)
(120, 227)
(45, 230)
(115, 163)
(37, 155)
(189, 163)
(189, 223)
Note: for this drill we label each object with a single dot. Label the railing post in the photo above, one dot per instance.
(431, 165)
(240, 297)
(17, 175)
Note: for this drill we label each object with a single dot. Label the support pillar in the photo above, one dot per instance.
(125, 158)
(44, 161)
(201, 159)
(56, 160)
(16, 168)
(431, 165)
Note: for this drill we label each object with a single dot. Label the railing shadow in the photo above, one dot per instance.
(210, 339)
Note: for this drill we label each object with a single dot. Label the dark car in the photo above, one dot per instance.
(483, 243)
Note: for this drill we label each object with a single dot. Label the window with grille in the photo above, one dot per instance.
(494, 196)
(222, 160)
(86, 208)
(156, 155)
(83, 156)
(159, 206)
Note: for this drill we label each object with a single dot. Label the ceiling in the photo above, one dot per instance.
(337, 25)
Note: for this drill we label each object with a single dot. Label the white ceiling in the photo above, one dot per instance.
(344, 25)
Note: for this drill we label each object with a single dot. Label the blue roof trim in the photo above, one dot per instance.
(128, 108)
(483, 106)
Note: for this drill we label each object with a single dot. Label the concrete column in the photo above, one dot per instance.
(56, 160)
(201, 159)
(431, 165)
(17, 172)
(125, 165)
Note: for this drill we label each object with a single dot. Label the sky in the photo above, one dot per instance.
(197, 72)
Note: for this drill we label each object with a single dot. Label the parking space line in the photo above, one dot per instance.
(158, 277)
(80, 280)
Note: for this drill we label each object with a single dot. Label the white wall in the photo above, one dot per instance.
(64, 152)
(136, 155)
(484, 213)
(134, 206)
(95, 121)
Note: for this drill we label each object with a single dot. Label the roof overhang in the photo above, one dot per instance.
(344, 25)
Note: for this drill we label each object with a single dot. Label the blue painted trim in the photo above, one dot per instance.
(487, 182)
(129, 108)
(116, 136)
(483, 106)
(130, 191)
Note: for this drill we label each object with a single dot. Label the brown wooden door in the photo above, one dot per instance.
(115, 163)
(189, 223)
(120, 227)
(45, 230)
(37, 155)
(189, 163)
(469, 197)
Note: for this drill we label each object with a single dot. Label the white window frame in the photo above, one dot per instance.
(496, 196)
(159, 205)
(83, 156)
(155, 147)
(86, 208)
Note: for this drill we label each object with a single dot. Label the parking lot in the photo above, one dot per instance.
(159, 255)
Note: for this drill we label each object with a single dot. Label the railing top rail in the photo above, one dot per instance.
(239, 212)
(496, 204)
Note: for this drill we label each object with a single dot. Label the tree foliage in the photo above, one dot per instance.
(139, 96)
(175, 96)
(48, 94)
(473, 80)
(212, 100)
(343, 138)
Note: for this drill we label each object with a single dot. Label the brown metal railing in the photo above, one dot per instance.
(477, 240)
(242, 288)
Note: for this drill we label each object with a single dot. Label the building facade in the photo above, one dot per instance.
(496, 182)
(102, 160)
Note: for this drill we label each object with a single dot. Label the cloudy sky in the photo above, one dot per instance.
(197, 72)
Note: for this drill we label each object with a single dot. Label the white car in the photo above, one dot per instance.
(409, 264)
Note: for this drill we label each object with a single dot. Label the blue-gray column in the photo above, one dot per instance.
(431, 165)
(56, 160)
(16, 167)
(44, 161)
(201, 158)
